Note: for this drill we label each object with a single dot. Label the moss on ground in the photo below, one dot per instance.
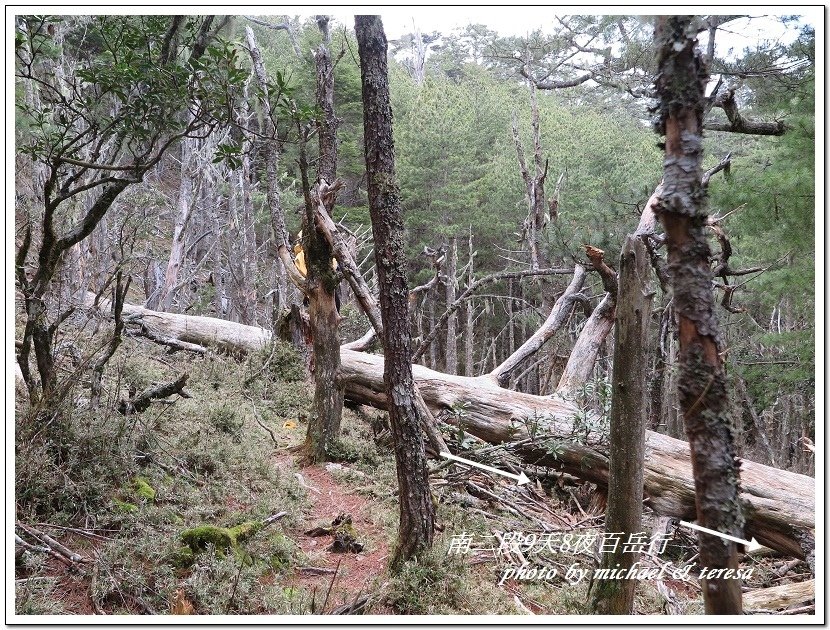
(143, 489)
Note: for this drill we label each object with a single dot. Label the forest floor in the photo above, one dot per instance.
(127, 490)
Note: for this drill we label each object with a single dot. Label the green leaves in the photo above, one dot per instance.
(230, 153)
(119, 88)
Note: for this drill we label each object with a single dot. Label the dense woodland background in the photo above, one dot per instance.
(194, 235)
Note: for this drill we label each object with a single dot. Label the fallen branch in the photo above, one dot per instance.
(355, 607)
(52, 543)
(44, 549)
(141, 402)
(557, 318)
(171, 342)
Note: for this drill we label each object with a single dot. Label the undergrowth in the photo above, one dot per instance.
(177, 497)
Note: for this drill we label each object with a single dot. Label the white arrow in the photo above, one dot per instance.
(521, 477)
(751, 545)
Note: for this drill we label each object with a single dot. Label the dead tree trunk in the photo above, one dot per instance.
(626, 442)
(534, 187)
(417, 513)
(185, 205)
(451, 355)
(558, 316)
(469, 310)
(681, 83)
(580, 365)
(322, 280)
(537, 217)
(242, 258)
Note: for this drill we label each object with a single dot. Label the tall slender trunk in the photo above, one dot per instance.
(469, 309)
(433, 353)
(244, 251)
(628, 424)
(184, 211)
(417, 513)
(704, 399)
(221, 299)
(451, 362)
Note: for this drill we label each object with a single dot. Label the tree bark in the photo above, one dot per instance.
(681, 83)
(322, 281)
(780, 597)
(628, 421)
(417, 513)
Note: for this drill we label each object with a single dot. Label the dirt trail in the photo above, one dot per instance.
(356, 572)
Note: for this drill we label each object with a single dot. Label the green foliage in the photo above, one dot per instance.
(772, 189)
(277, 361)
(124, 92)
(74, 471)
(224, 418)
(38, 597)
(457, 165)
(431, 584)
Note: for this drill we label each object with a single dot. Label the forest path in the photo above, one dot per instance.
(328, 499)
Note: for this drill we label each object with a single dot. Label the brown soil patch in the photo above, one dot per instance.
(355, 572)
(71, 588)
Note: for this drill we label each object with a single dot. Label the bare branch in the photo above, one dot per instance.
(737, 123)
(504, 275)
(558, 316)
(723, 165)
(284, 26)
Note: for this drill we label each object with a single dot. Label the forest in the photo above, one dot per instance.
(317, 317)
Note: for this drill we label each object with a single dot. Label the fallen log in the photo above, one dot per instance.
(195, 329)
(779, 506)
(780, 597)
